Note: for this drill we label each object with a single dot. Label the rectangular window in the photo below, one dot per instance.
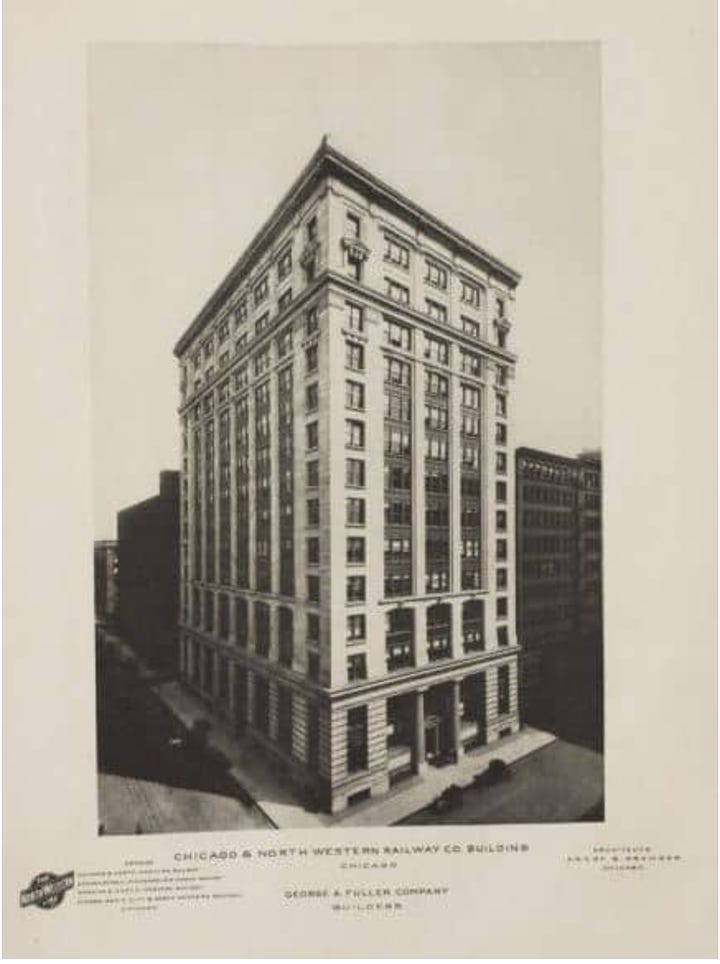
(260, 291)
(355, 356)
(501, 491)
(501, 520)
(435, 274)
(398, 336)
(313, 588)
(355, 628)
(396, 253)
(241, 311)
(501, 578)
(357, 743)
(223, 331)
(355, 551)
(501, 463)
(355, 511)
(311, 320)
(285, 299)
(312, 474)
(355, 473)
(262, 323)
(471, 327)
(501, 434)
(436, 350)
(284, 342)
(501, 549)
(503, 636)
(470, 293)
(356, 320)
(355, 396)
(313, 512)
(356, 667)
(436, 384)
(436, 311)
(501, 607)
(311, 397)
(312, 435)
(353, 225)
(313, 627)
(501, 405)
(311, 229)
(397, 372)
(284, 265)
(470, 397)
(354, 434)
(261, 361)
(311, 358)
(240, 344)
(313, 551)
(503, 690)
(397, 292)
(208, 348)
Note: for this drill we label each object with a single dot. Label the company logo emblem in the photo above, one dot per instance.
(47, 890)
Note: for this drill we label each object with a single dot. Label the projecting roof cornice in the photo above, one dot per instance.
(327, 161)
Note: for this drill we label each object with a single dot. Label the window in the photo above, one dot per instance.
(355, 552)
(284, 266)
(397, 440)
(260, 291)
(355, 511)
(501, 520)
(436, 448)
(501, 549)
(355, 627)
(356, 667)
(501, 434)
(398, 336)
(241, 311)
(355, 472)
(436, 350)
(501, 405)
(436, 311)
(396, 253)
(311, 229)
(470, 425)
(357, 739)
(312, 474)
(501, 578)
(313, 550)
(240, 343)
(311, 397)
(354, 434)
(503, 690)
(285, 299)
(436, 384)
(501, 491)
(313, 512)
(311, 320)
(356, 320)
(435, 274)
(470, 397)
(354, 396)
(500, 308)
(313, 627)
(223, 331)
(208, 348)
(313, 588)
(312, 435)
(501, 462)
(284, 342)
(503, 637)
(397, 372)
(471, 327)
(501, 607)
(261, 361)
(436, 416)
(262, 323)
(471, 363)
(355, 589)
(397, 292)
(353, 225)
(355, 356)
(311, 358)
(469, 293)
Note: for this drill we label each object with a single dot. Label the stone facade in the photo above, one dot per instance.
(347, 560)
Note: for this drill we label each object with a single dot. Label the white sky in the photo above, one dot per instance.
(192, 146)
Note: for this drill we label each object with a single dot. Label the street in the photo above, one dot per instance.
(153, 776)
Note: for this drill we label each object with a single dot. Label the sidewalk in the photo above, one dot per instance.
(265, 780)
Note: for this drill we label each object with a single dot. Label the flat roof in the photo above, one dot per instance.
(325, 161)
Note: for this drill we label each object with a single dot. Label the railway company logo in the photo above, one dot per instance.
(47, 890)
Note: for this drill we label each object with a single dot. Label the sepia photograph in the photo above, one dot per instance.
(346, 349)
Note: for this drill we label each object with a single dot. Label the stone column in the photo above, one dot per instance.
(420, 634)
(456, 699)
(420, 759)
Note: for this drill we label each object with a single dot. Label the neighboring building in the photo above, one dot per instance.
(347, 560)
(559, 592)
(148, 535)
(105, 564)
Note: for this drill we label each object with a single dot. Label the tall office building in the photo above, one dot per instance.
(347, 561)
(559, 592)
